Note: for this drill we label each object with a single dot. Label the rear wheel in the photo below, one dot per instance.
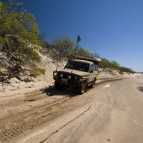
(93, 84)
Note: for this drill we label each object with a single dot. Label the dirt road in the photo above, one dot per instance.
(111, 112)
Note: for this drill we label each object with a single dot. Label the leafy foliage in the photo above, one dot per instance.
(114, 65)
(64, 47)
(84, 52)
(18, 37)
(36, 72)
(105, 63)
(124, 69)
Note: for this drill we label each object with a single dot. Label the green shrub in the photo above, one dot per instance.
(37, 71)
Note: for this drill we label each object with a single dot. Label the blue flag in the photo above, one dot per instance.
(78, 39)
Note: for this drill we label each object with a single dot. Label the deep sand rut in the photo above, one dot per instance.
(26, 118)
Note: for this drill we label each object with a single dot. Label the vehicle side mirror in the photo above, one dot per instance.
(91, 71)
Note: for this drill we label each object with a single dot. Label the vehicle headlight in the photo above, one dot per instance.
(55, 73)
(79, 78)
(69, 76)
(61, 75)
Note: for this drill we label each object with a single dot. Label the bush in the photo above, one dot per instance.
(37, 71)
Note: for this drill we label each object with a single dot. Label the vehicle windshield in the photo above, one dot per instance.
(78, 66)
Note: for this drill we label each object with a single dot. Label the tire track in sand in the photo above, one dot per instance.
(15, 124)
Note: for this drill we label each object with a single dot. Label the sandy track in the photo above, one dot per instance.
(115, 106)
(115, 117)
(16, 123)
(22, 114)
(19, 115)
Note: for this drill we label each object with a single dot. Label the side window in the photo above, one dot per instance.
(95, 67)
(91, 68)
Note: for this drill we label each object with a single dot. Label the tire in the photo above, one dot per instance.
(93, 84)
(57, 85)
(82, 89)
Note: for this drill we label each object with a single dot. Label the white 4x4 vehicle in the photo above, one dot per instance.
(78, 73)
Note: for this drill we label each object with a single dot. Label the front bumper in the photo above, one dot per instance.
(68, 82)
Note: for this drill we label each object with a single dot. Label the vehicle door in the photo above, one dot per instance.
(91, 70)
(95, 68)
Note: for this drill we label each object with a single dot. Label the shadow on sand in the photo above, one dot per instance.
(140, 88)
(51, 91)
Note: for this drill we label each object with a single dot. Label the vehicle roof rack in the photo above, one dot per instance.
(93, 59)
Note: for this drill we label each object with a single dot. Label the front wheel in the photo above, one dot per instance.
(82, 89)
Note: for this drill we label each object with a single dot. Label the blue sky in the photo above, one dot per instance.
(111, 28)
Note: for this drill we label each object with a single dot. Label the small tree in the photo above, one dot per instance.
(115, 65)
(18, 37)
(64, 47)
(125, 69)
(84, 52)
(105, 63)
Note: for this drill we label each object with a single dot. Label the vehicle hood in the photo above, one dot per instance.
(76, 72)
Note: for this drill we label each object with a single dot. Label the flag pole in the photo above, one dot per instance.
(78, 39)
(76, 49)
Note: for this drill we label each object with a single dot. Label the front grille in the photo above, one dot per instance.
(65, 75)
